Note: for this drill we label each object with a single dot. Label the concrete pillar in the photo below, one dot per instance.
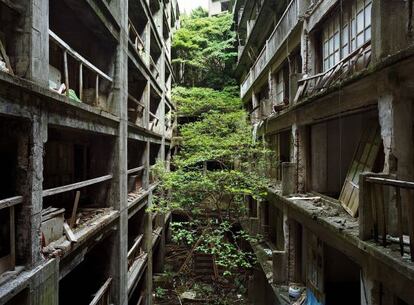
(254, 226)
(279, 267)
(369, 289)
(44, 287)
(146, 173)
(168, 230)
(29, 219)
(261, 214)
(289, 185)
(146, 99)
(160, 257)
(391, 27)
(255, 103)
(163, 101)
(148, 250)
(119, 191)
(32, 46)
(302, 158)
(147, 42)
(395, 114)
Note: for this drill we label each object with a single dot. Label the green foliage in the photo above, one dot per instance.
(160, 292)
(192, 102)
(213, 175)
(220, 137)
(203, 48)
(198, 12)
(222, 242)
(213, 172)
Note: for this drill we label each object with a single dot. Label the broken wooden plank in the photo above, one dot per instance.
(391, 182)
(16, 7)
(12, 238)
(135, 246)
(411, 226)
(66, 71)
(80, 81)
(69, 233)
(399, 220)
(381, 213)
(97, 90)
(75, 209)
(374, 212)
(363, 160)
(136, 170)
(101, 292)
(51, 213)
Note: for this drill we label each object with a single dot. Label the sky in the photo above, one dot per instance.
(189, 5)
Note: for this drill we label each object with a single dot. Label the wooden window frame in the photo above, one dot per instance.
(348, 29)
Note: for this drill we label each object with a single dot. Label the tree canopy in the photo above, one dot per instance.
(203, 50)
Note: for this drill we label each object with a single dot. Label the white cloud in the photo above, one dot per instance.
(186, 6)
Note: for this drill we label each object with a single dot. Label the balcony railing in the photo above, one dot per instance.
(284, 27)
(354, 62)
(135, 38)
(377, 192)
(154, 68)
(154, 124)
(8, 259)
(82, 63)
(136, 111)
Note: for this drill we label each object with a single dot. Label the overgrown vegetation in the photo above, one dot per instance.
(195, 101)
(212, 172)
(203, 50)
(211, 178)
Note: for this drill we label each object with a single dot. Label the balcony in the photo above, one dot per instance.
(285, 26)
(14, 162)
(76, 196)
(82, 54)
(82, 81)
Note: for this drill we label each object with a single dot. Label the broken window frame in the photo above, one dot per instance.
(102, 296)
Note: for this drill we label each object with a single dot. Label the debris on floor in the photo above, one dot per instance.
(192, 287)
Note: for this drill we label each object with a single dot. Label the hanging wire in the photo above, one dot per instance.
(340, 92)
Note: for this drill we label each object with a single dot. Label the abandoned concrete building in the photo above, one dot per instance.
(216, 7)
(85, 111)
(329, 88)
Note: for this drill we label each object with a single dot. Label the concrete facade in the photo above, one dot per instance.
(337, 221)
(216, 7)
(85, 112)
